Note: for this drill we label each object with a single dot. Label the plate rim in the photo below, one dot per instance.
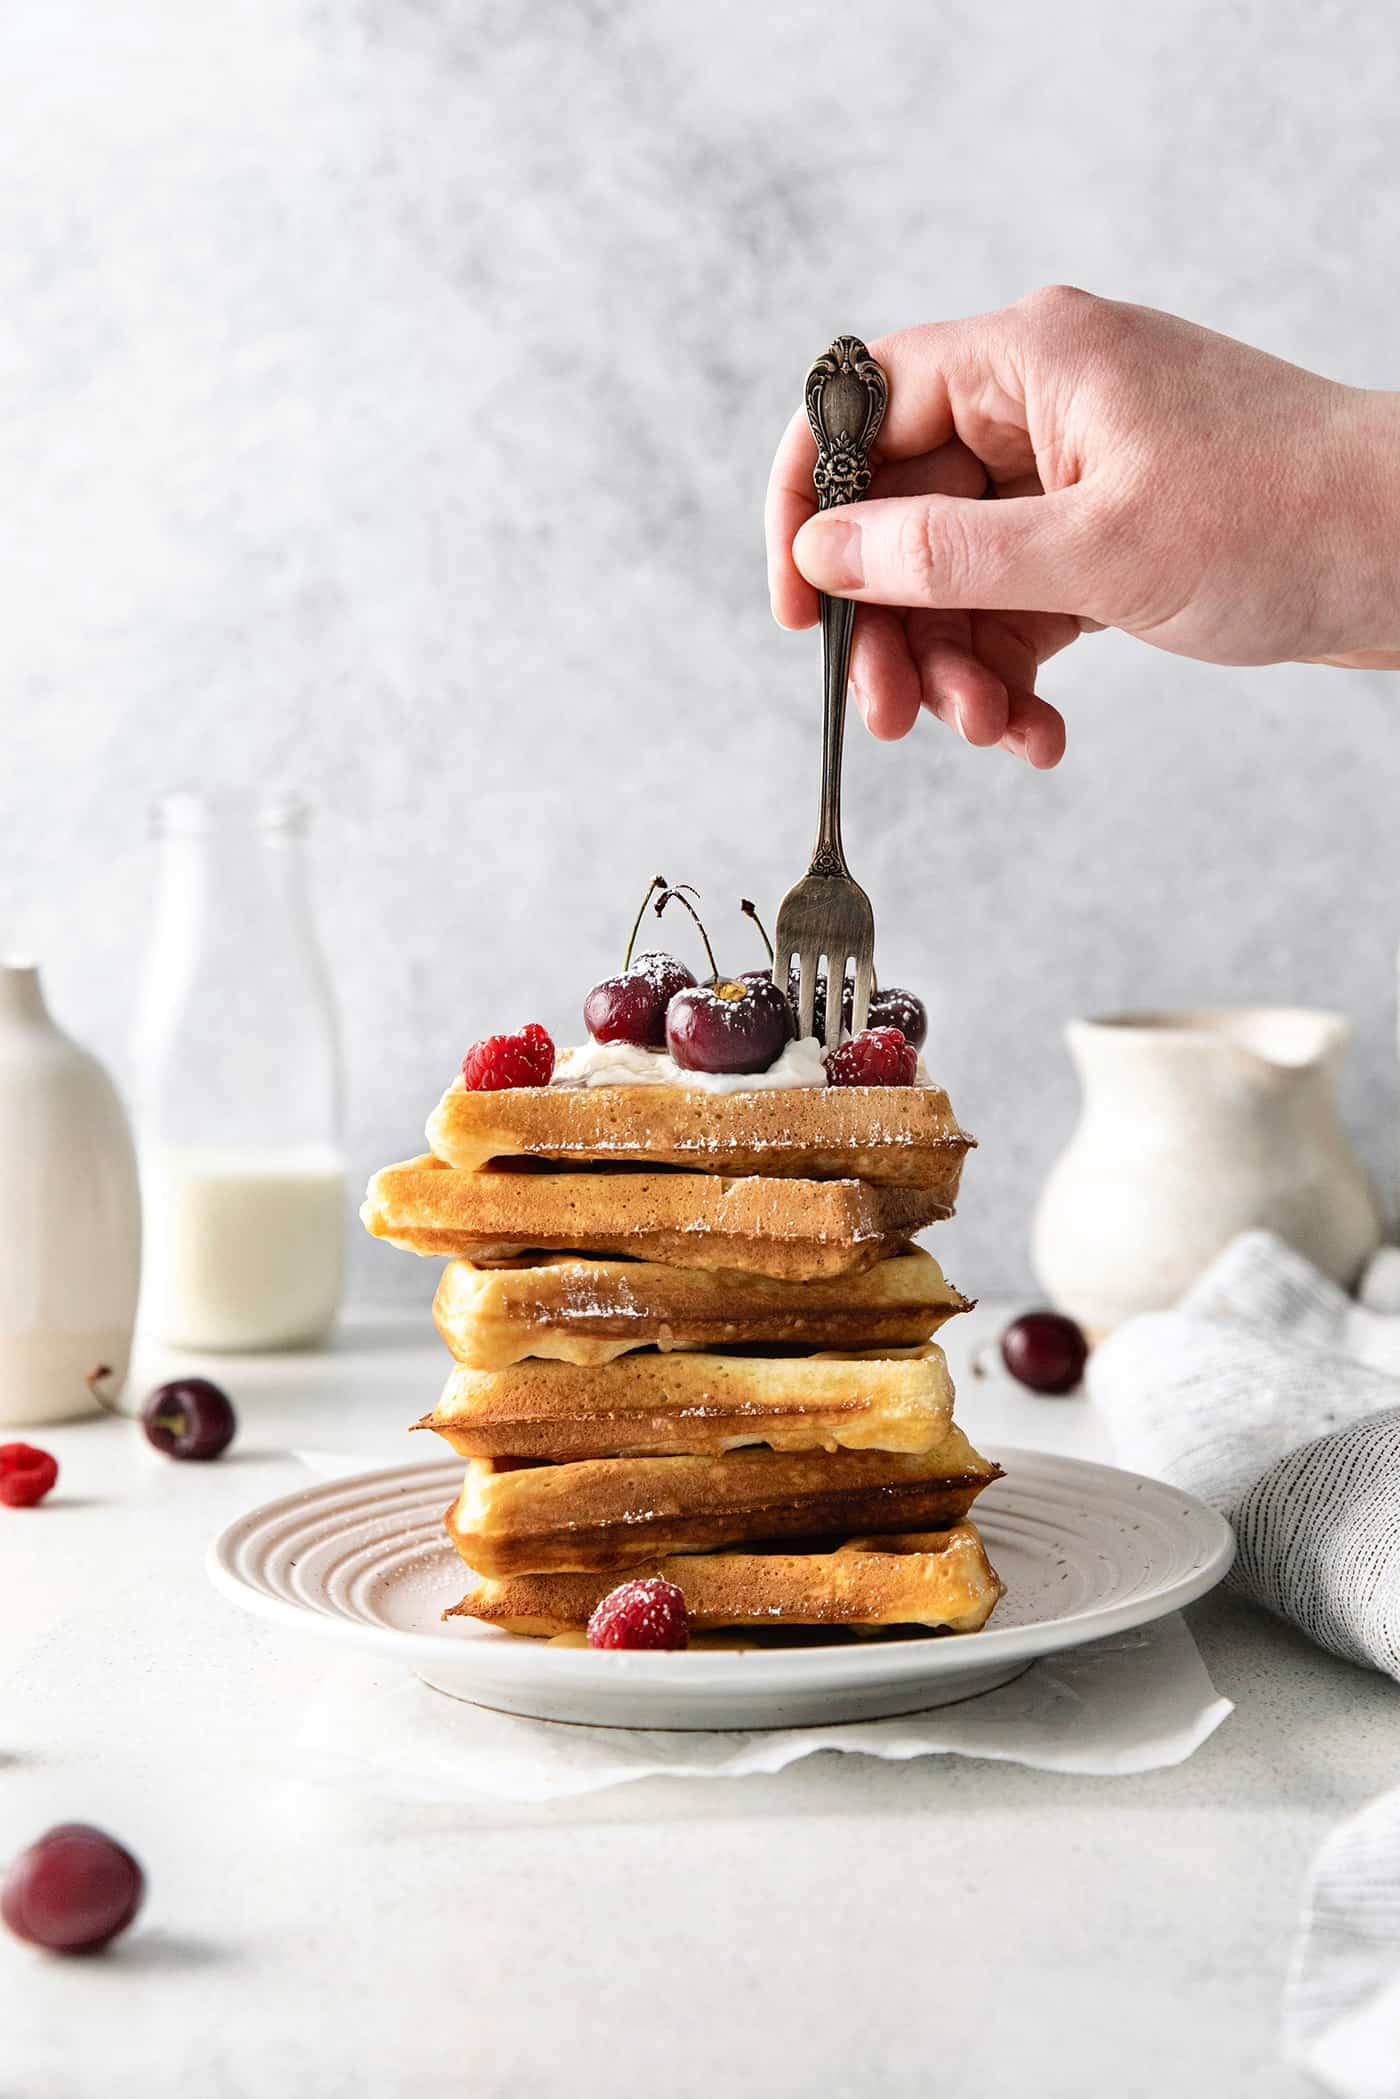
(839, 1666)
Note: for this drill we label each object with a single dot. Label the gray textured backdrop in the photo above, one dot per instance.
(389, 392)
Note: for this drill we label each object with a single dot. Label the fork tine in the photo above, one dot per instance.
(806, 993)
(865, 984)
(835, 998)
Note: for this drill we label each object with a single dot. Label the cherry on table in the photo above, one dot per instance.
(1046, 1351)
(189, 1418)
(73, 1890)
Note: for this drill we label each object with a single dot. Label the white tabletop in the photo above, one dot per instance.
(846, 1928)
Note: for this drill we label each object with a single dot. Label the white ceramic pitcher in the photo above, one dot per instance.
(1195, 1126)
(70, 1259)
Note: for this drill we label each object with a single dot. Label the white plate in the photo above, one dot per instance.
(1085, 1550)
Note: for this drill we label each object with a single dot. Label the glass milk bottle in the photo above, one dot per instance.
(237, 1085)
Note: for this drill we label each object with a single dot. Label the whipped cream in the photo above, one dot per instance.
(624, 1064)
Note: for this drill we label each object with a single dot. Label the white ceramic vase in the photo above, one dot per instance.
(71, 1258)
(1195, 1126)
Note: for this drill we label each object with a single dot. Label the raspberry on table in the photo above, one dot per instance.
(646, 1613)
(524, 1059)
(875, 1057)
(26, 1474)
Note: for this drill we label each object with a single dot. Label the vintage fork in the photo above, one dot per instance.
(827, 915)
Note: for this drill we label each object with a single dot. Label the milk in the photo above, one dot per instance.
(244, 1247)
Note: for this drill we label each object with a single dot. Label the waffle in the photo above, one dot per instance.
(616, 1512)
(798, 1229)
(933, 1578)
(697, 1404)
(904, 1134)
(590, 1312)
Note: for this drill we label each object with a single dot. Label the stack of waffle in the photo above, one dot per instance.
(692, 1339)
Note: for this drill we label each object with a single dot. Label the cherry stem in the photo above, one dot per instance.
(749, 911)
(657, 882)
(95, 1380)
(178, 1424)
(676, 895)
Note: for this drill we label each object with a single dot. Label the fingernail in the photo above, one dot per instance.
(827, 550)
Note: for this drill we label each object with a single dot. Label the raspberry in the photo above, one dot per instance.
(875, 1057)
(648, 1613)
(26, 1474)
(526, 1059)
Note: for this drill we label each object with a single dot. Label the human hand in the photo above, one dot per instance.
(1151, 475)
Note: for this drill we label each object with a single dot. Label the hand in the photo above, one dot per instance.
(1150, 475)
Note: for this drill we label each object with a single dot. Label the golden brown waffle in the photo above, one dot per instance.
(797, 1229)
(574, 1310)
(933, 1578)
(615, 1512)
(906, 1134)
(696, 1404)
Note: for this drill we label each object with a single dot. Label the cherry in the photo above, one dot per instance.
(73, 1890)
(892, 1008)
(632, 1007)
(763, 976)
(1045, 1350)
(189, 1418)
(730, 1024)
(904, 1010)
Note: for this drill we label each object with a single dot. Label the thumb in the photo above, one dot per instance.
(1023, 553)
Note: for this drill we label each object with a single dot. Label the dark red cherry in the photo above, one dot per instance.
(665, 972)
(72, 1890)
(730, 1025)
(632, 1007)
(894, 1008)
(1045, 1350)
(765, 976)
(190, 1418)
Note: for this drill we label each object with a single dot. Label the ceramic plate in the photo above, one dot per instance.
(1085, 1550)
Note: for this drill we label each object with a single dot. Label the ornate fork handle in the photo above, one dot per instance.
(846, 395)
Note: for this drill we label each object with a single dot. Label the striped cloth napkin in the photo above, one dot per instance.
(1273, 1395)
